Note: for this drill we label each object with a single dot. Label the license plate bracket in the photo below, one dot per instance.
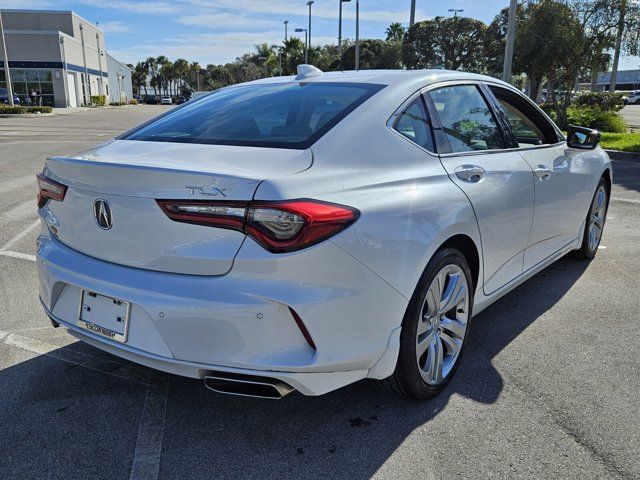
(103, 315)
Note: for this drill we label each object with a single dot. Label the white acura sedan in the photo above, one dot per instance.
(304, 233)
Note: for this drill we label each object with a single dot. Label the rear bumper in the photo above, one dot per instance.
(239, 323)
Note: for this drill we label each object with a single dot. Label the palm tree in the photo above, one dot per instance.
(195, 70)
(152, 69)
(395, 32)
(181, 69)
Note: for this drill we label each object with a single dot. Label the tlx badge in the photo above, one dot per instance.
(210, 191)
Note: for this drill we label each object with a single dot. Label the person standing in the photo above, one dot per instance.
(39, 97)
(33, 97)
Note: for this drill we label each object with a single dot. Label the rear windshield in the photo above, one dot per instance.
(287, 115)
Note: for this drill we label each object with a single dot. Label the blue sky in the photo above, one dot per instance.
(217, 31)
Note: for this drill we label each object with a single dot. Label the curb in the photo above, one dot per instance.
(618, 155)
(26, 115)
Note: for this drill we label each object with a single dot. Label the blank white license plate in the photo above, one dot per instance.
(105, 316)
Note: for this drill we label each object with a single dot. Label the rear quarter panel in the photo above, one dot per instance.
(408, 204)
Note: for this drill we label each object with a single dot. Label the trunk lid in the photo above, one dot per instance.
(131, 175)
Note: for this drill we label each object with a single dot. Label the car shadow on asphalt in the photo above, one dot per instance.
(349, 433)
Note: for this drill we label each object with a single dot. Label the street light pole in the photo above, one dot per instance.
(340, 27)
(306, 43)
(286, 23)
(310, 2)
(6, 64)
(456, 11)
(412, 17)
(511, 37)
(357, 35)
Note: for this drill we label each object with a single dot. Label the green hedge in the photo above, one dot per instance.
(595, 117)
(23, 109)
(606, 101)
(117, 104)
(98, 100)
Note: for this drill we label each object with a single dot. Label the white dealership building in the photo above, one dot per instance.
(61, 55)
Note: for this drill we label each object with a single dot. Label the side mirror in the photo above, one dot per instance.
(582, 137)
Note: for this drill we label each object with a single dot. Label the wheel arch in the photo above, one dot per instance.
(469, 249)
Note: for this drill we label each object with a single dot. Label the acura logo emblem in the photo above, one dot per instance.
(102, 212)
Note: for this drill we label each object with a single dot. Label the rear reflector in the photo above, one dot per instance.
(49, 189)
(284, 226)
(303, 328)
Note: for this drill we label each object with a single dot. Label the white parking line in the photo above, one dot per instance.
(20, 236)
(22, 256)
(625, 200)
(91, 362)
(146, 459)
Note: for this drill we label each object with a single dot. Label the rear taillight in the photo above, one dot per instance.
(278, 226)
(49, 189)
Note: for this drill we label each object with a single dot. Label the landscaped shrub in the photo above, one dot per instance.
(117, 104)
(605, 101)
(595, 117)
(133, 101)
(548, 109)
(17, 109)
(98, 100)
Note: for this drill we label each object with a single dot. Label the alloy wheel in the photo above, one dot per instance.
(597, 217)
(443, 324)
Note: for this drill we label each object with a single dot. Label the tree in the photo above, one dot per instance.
(139, 77)
(395, 32)
(455, 43)
(181, 69)
(627, 13)
(152, 69)
(551, 42)
(373, 54)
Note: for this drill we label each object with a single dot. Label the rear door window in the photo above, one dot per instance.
(287, 115)
(466, 119)
(413, 123)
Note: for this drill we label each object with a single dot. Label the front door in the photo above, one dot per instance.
(497, 181)
(560, 178)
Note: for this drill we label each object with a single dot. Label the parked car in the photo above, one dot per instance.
(151, 100)
(309, 232)
(181, 100)
(4, 97)
(138, 98)
(166, 100)
(633, 98)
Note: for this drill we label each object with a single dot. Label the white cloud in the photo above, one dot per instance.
(146, 7)
(226, 20)
(206, 48)
(114, 27)
(298, 8)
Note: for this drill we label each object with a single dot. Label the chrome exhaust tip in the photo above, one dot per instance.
(247, 385)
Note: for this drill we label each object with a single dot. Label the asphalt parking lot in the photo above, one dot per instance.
(548, 387)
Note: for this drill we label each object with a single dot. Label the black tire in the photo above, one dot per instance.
(587, 251)
(407, 381)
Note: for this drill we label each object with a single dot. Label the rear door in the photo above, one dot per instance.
(497, 181)
(561, 181)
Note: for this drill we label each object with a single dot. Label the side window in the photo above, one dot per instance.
(413, 123)
(528, 124)
(466, 119)
(523, 129)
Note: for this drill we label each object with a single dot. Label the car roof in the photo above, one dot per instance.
(385, 77)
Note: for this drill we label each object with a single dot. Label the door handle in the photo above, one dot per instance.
(470, 173)
(542, 172)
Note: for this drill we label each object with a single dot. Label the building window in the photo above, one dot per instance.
(26, 81)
